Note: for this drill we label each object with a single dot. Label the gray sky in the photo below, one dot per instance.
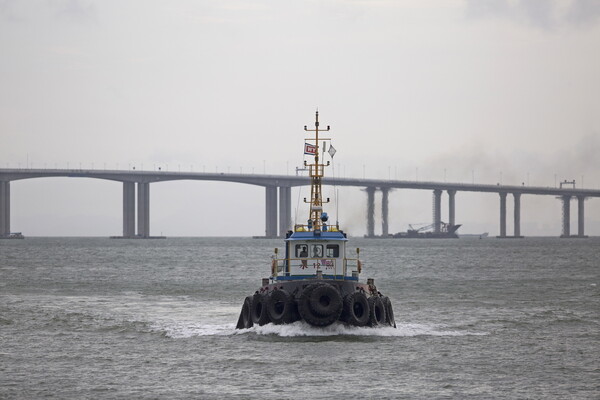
(490, 89)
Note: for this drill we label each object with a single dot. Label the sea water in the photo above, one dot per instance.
(84, 318)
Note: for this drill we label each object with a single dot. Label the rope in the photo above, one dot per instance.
(335, 193)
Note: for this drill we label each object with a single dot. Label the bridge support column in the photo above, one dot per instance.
(271, 211)
(4, 208)
(437, 210)
(370, 211)
(143, 209)
(385, 192)
(580, 216)
(566, 217)
(517, 215)
(502, 215)
(451, 207)
(285, 210)
(128, 209)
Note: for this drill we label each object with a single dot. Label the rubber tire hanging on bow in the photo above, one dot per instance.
(308, 313)
(245, 319)
(389, 311)
(259, 312)
(280, 306)
(325, 300)
(356, 309)
(377, 311)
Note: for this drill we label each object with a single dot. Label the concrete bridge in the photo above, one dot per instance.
(278, 197)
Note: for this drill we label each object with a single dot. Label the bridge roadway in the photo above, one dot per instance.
(283, 184)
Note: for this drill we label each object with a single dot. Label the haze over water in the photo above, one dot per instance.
(495, 92)
(490, 91)
(100, 318)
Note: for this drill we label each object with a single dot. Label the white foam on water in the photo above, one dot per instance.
(189, 329)
(302, 329)
(408, 329)
(176, 318)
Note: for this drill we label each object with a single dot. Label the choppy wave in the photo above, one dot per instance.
(186, 330)
(302, 329)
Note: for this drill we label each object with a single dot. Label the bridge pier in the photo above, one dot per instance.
(437, 210)
(143, 209)
(502, 215)
(4, 208)
(385, 211)
(271, 211)
(285, 210)
(128, 209)
(451, 207)
(580, 216)
(370, 211)
(517, 215)
(566, 216)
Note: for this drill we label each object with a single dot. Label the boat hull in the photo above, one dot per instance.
(319, 302)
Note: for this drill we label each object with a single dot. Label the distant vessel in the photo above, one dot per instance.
(446, 231)
(314, 281)
(13, 235)
(475, 235)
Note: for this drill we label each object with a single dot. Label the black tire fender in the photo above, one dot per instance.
(245, 319)
(376, 311)
(259, 311)
(247, 313)
(389, 311)
(307, 313)
(356, 309)
(325, 300)
(280, 306)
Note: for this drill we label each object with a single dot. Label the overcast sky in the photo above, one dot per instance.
(491, 90)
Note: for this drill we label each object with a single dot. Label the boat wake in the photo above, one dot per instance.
(303, 329)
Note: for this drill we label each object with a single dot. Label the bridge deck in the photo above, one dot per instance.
(7, 174)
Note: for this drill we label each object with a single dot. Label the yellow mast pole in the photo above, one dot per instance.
(316, 200)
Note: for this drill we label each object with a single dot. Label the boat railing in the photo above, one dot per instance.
(307, 228)
(352, 264)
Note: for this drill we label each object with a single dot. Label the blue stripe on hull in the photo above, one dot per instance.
(306, 277)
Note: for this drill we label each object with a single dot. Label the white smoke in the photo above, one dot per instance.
(542, 14)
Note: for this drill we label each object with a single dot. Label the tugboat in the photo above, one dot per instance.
(314, 281)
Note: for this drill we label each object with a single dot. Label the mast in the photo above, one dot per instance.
(316, 170)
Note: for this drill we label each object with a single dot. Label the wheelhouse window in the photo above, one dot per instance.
(316, 251)
(301, 250)
(332, 251)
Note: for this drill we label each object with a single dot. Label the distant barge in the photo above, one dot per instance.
(446, 231)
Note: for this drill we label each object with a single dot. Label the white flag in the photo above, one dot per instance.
(331, 151)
